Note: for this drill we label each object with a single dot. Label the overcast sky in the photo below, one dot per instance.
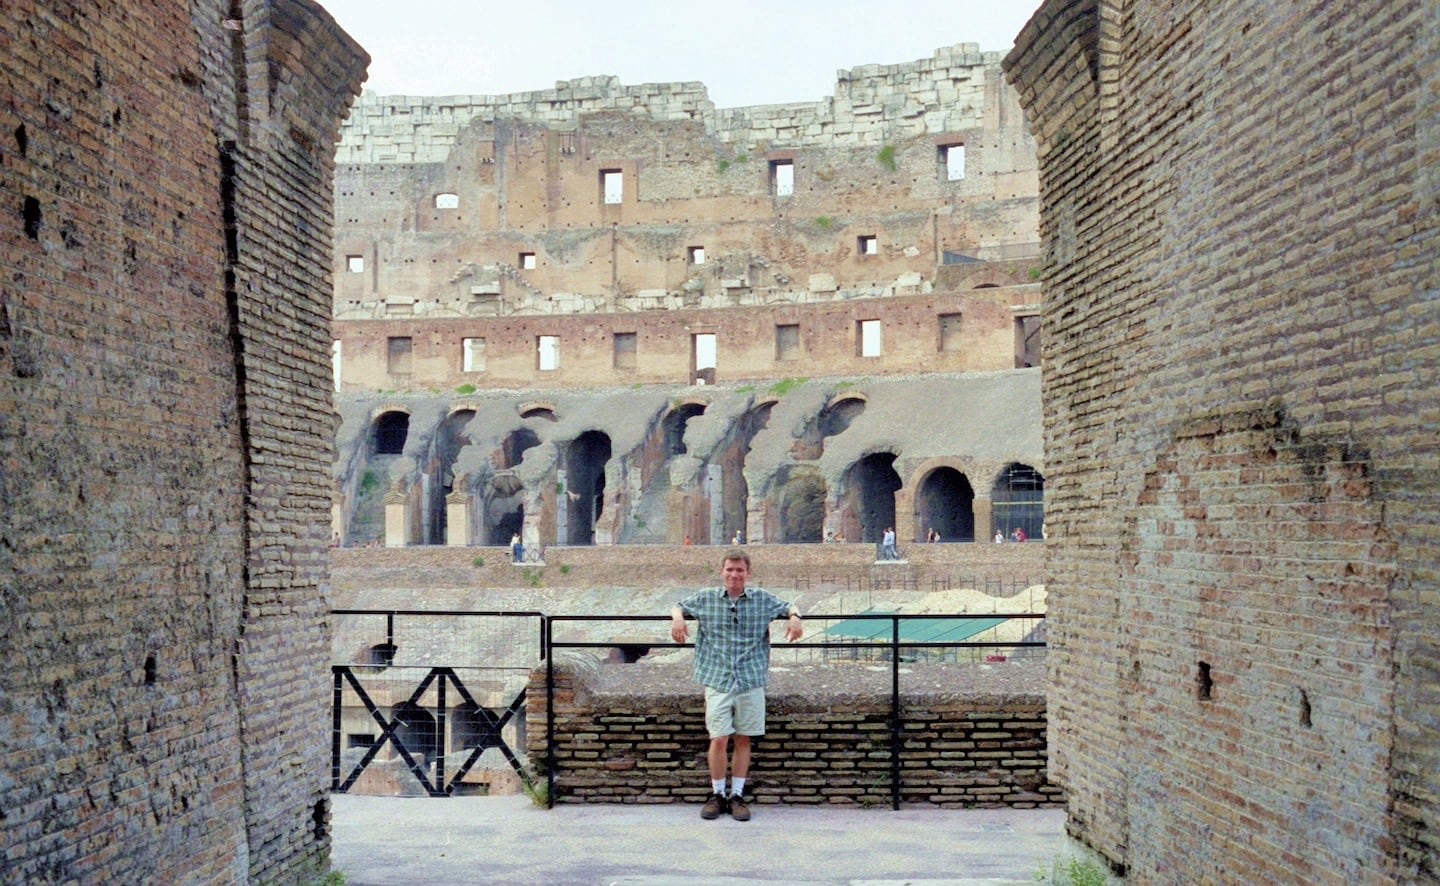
(747, 52)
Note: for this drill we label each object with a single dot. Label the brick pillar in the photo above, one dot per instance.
(458, 511)
(980, 509)
(397, 518)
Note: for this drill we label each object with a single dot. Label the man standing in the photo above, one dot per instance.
(887, 545)
(732, 662)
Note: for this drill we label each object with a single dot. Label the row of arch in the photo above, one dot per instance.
(799, 505)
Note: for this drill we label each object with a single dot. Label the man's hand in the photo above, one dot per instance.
(793, 627)
(679, 630)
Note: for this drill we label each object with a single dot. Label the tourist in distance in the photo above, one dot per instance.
(887, 545)
(732, 662)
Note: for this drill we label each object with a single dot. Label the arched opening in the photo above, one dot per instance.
(416, 730)
(539, 411)
(801, 502)
(475, 727)
(449, 441)
(1017, 501)
(585, 485)
(837, 417)
(391, 429)
(388, 434)
(674, 426)
(515, 443)
(872, 483)
(945, 502)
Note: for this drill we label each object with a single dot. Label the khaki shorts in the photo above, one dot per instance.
(735, 713)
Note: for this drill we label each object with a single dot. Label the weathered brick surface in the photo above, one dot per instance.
(1240, 226)
(636, 734)
(163, 438)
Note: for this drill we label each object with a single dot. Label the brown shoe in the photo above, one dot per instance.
(738, 810)
(714, 806)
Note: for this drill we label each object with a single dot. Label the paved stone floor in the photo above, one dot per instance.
(419, 841)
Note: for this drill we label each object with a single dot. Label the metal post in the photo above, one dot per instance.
(546, 631)
(335, 730)
(895, 712)
(440, 740)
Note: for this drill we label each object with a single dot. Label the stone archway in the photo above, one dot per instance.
(585, 485)
(871, 484)
(945, 502)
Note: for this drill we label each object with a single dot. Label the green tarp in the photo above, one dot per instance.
(912, 630)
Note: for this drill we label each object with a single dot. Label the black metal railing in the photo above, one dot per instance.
(890, 648)
(416, 639)
(488, 722)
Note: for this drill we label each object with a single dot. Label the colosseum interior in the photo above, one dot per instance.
(601, 314)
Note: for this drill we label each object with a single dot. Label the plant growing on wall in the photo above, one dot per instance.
(887, 157)
(824, 222)
(465, 389)
(785, 386)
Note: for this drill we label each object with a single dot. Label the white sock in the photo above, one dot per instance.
(718, 786)
(737, 787)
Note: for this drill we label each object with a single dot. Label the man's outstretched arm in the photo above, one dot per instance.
(679, 630)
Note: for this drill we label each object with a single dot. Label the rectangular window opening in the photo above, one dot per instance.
(867, 244)
(547, 350)
(399, 356)
(952, 161)
(949, 332)
(782, 177)
(474, 354)
(527, 261)
(702, 347)
(612, 186)
(624, 350)
(787, 341)
(869, 335)
(696, 255)
(355, 264)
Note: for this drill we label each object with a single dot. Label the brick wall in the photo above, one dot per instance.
(1240, 234)
(164, 438)
(633, 734)
(745, 338)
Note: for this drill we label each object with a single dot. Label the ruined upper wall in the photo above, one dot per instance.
(871, 104)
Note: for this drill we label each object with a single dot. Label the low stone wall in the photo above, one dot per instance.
(971, 735)
(355, 571)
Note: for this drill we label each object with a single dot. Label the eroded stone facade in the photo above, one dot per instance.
(1241, 235)
(588, 307)
(164, 428)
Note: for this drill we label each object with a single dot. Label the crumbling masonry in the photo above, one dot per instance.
(1241, 218)
(165, 421)
(610, 314)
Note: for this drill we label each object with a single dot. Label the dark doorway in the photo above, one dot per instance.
(391, 429)
(674, 425)
(946, 503)
(585, 485)
(872, 483)
(802, 506)
(1018, 501)
(416, 730)
(448, 443)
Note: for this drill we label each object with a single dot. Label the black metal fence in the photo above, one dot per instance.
(408, 662)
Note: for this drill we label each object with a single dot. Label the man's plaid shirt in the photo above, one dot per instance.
(732, 645)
